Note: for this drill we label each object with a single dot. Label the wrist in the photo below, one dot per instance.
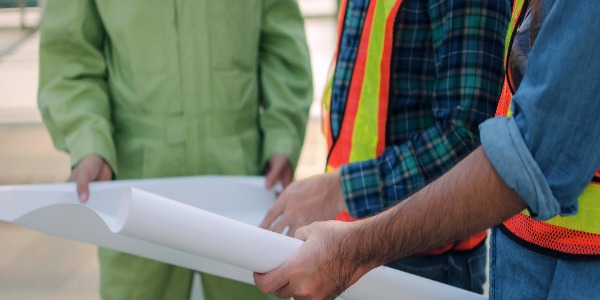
(336, 194)
(361, 251)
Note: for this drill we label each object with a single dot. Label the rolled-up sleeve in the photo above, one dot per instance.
(548, 150)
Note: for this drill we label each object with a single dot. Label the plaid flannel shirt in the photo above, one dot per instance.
(446, 76)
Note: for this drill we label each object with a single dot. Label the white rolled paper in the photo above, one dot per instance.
(202, 223)
(156, 219)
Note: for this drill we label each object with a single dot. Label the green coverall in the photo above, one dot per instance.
(174, 88)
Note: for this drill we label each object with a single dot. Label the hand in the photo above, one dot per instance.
(318, 198)
(324, 266)
(278, 169)
(90, 168)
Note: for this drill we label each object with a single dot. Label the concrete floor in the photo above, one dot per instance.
(37, 266)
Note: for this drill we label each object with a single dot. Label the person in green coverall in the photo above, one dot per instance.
(145, 89)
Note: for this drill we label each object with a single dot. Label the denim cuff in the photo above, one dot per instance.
(509, 155)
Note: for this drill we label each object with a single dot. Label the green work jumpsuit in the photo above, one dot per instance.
(174, 88)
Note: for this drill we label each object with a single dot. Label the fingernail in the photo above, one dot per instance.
(83, 197)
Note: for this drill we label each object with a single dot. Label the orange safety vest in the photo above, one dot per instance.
(362, 132)
(575, 236)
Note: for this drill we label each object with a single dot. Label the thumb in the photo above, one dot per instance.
(273, 280)
(302, 233)
(88, 169)
(83, 188)
(274, 171)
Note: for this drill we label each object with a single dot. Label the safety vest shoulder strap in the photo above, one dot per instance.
(362, 132)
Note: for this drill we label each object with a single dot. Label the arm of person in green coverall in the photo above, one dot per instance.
(286, 88)
(73, 97)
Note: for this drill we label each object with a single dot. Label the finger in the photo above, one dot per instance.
(258, 281)
(274, 211)
(302, 233)
(292, 230)
(280, 225)
(271, 281)
(71, 177)
(272, 178)
(284, 293)
(83, 188)
(273, 175)
(105, 173)
(286, 178)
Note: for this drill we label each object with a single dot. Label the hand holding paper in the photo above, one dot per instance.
(302, 273)
(318, 198)
(90, 168)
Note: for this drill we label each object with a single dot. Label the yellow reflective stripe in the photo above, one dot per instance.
(389, 5)
(326, 100)
(518, 5)
(365, 133)
(587, 218)
(588, 215)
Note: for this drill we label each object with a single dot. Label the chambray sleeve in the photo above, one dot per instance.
(468, 41)
(548, 150)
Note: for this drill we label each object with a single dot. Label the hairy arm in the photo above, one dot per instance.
(468, 199)
(479, 199)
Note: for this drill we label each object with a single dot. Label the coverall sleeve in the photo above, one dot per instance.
(285, 80)
(73, 97)
(468, 42)
(548, 150)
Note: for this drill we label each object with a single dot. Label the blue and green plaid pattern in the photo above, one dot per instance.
(446, 77)
(356, 11)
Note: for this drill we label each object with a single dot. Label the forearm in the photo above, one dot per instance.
(401, 170)
(469, 198)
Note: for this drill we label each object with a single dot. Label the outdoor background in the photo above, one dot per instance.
(37, 266)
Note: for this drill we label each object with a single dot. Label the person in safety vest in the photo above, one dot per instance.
(139, 89)
(535, 174)
(412, 81)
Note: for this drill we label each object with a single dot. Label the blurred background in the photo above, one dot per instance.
(37, 266)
